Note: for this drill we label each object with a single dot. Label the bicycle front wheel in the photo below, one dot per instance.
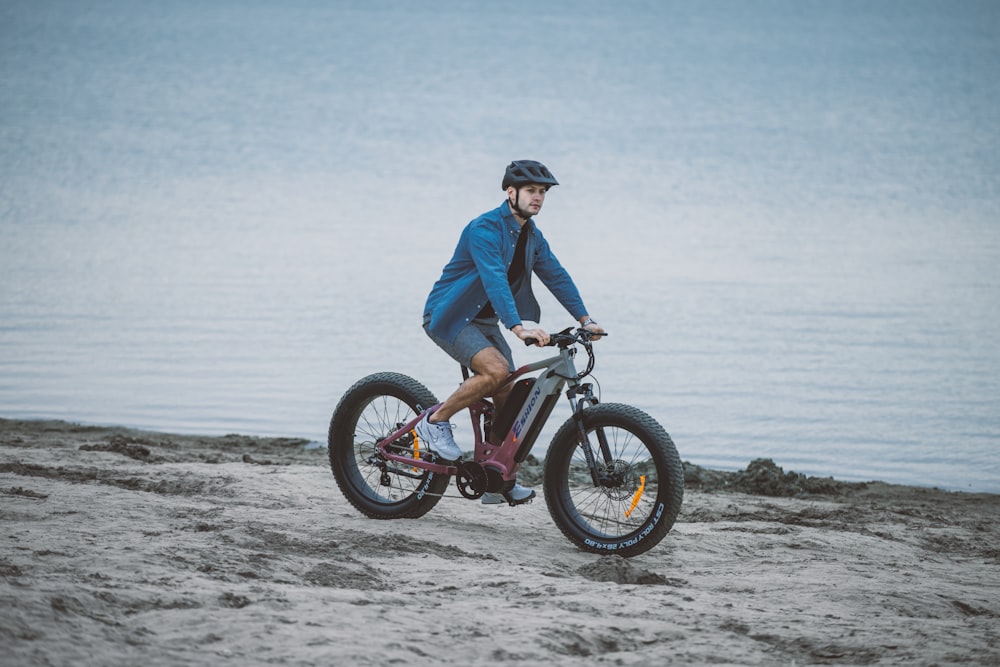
(371, 410)
(634, 500)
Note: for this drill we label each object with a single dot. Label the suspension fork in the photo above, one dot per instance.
(578, 406)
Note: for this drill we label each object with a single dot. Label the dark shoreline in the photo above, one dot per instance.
(761, 477)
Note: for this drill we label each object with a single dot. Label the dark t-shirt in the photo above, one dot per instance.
(514, 274)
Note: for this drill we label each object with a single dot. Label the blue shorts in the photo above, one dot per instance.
(478, 335)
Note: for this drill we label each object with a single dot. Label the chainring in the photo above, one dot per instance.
(471, 480)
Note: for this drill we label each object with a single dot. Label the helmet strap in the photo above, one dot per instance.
(517, 204)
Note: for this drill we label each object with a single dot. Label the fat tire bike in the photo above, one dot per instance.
(612, 479)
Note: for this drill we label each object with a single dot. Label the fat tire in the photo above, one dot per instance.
(369, 410)
(574, 502)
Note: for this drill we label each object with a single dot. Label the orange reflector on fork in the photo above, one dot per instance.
(638, 494)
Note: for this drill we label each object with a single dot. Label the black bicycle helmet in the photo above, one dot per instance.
(522, 172)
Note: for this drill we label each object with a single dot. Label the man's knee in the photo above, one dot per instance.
(491, 364)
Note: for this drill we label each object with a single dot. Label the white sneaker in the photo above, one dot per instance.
(517, 495)
(438, 439)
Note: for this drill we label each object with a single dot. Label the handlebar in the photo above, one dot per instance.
(567, 337)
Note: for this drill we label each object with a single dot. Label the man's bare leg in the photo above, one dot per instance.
(490, 372)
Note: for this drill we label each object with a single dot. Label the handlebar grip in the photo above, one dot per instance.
(528, 342)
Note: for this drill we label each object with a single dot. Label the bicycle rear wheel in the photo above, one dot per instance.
(372, 409)
(640, 489)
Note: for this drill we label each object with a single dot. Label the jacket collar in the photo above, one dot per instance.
(511, 221)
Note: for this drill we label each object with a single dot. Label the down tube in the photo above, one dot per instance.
(536, 427)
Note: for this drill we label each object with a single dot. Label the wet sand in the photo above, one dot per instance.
(124, 547)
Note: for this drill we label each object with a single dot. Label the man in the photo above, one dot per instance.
(488, 282)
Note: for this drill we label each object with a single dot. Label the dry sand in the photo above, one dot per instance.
(124, 547)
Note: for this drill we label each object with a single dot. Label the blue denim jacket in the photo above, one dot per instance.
(477, 273)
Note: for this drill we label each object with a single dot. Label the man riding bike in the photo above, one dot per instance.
(488, 281)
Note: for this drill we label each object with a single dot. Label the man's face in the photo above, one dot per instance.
(530, 197)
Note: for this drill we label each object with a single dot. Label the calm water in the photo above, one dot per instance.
(216, 216)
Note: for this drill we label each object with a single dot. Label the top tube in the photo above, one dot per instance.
(533, 366)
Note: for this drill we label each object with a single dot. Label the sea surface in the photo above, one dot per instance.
(216, 216)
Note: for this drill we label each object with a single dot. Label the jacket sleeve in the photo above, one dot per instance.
(557, 279)
(486, 245)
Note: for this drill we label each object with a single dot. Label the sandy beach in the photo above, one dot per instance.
(124, 547)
